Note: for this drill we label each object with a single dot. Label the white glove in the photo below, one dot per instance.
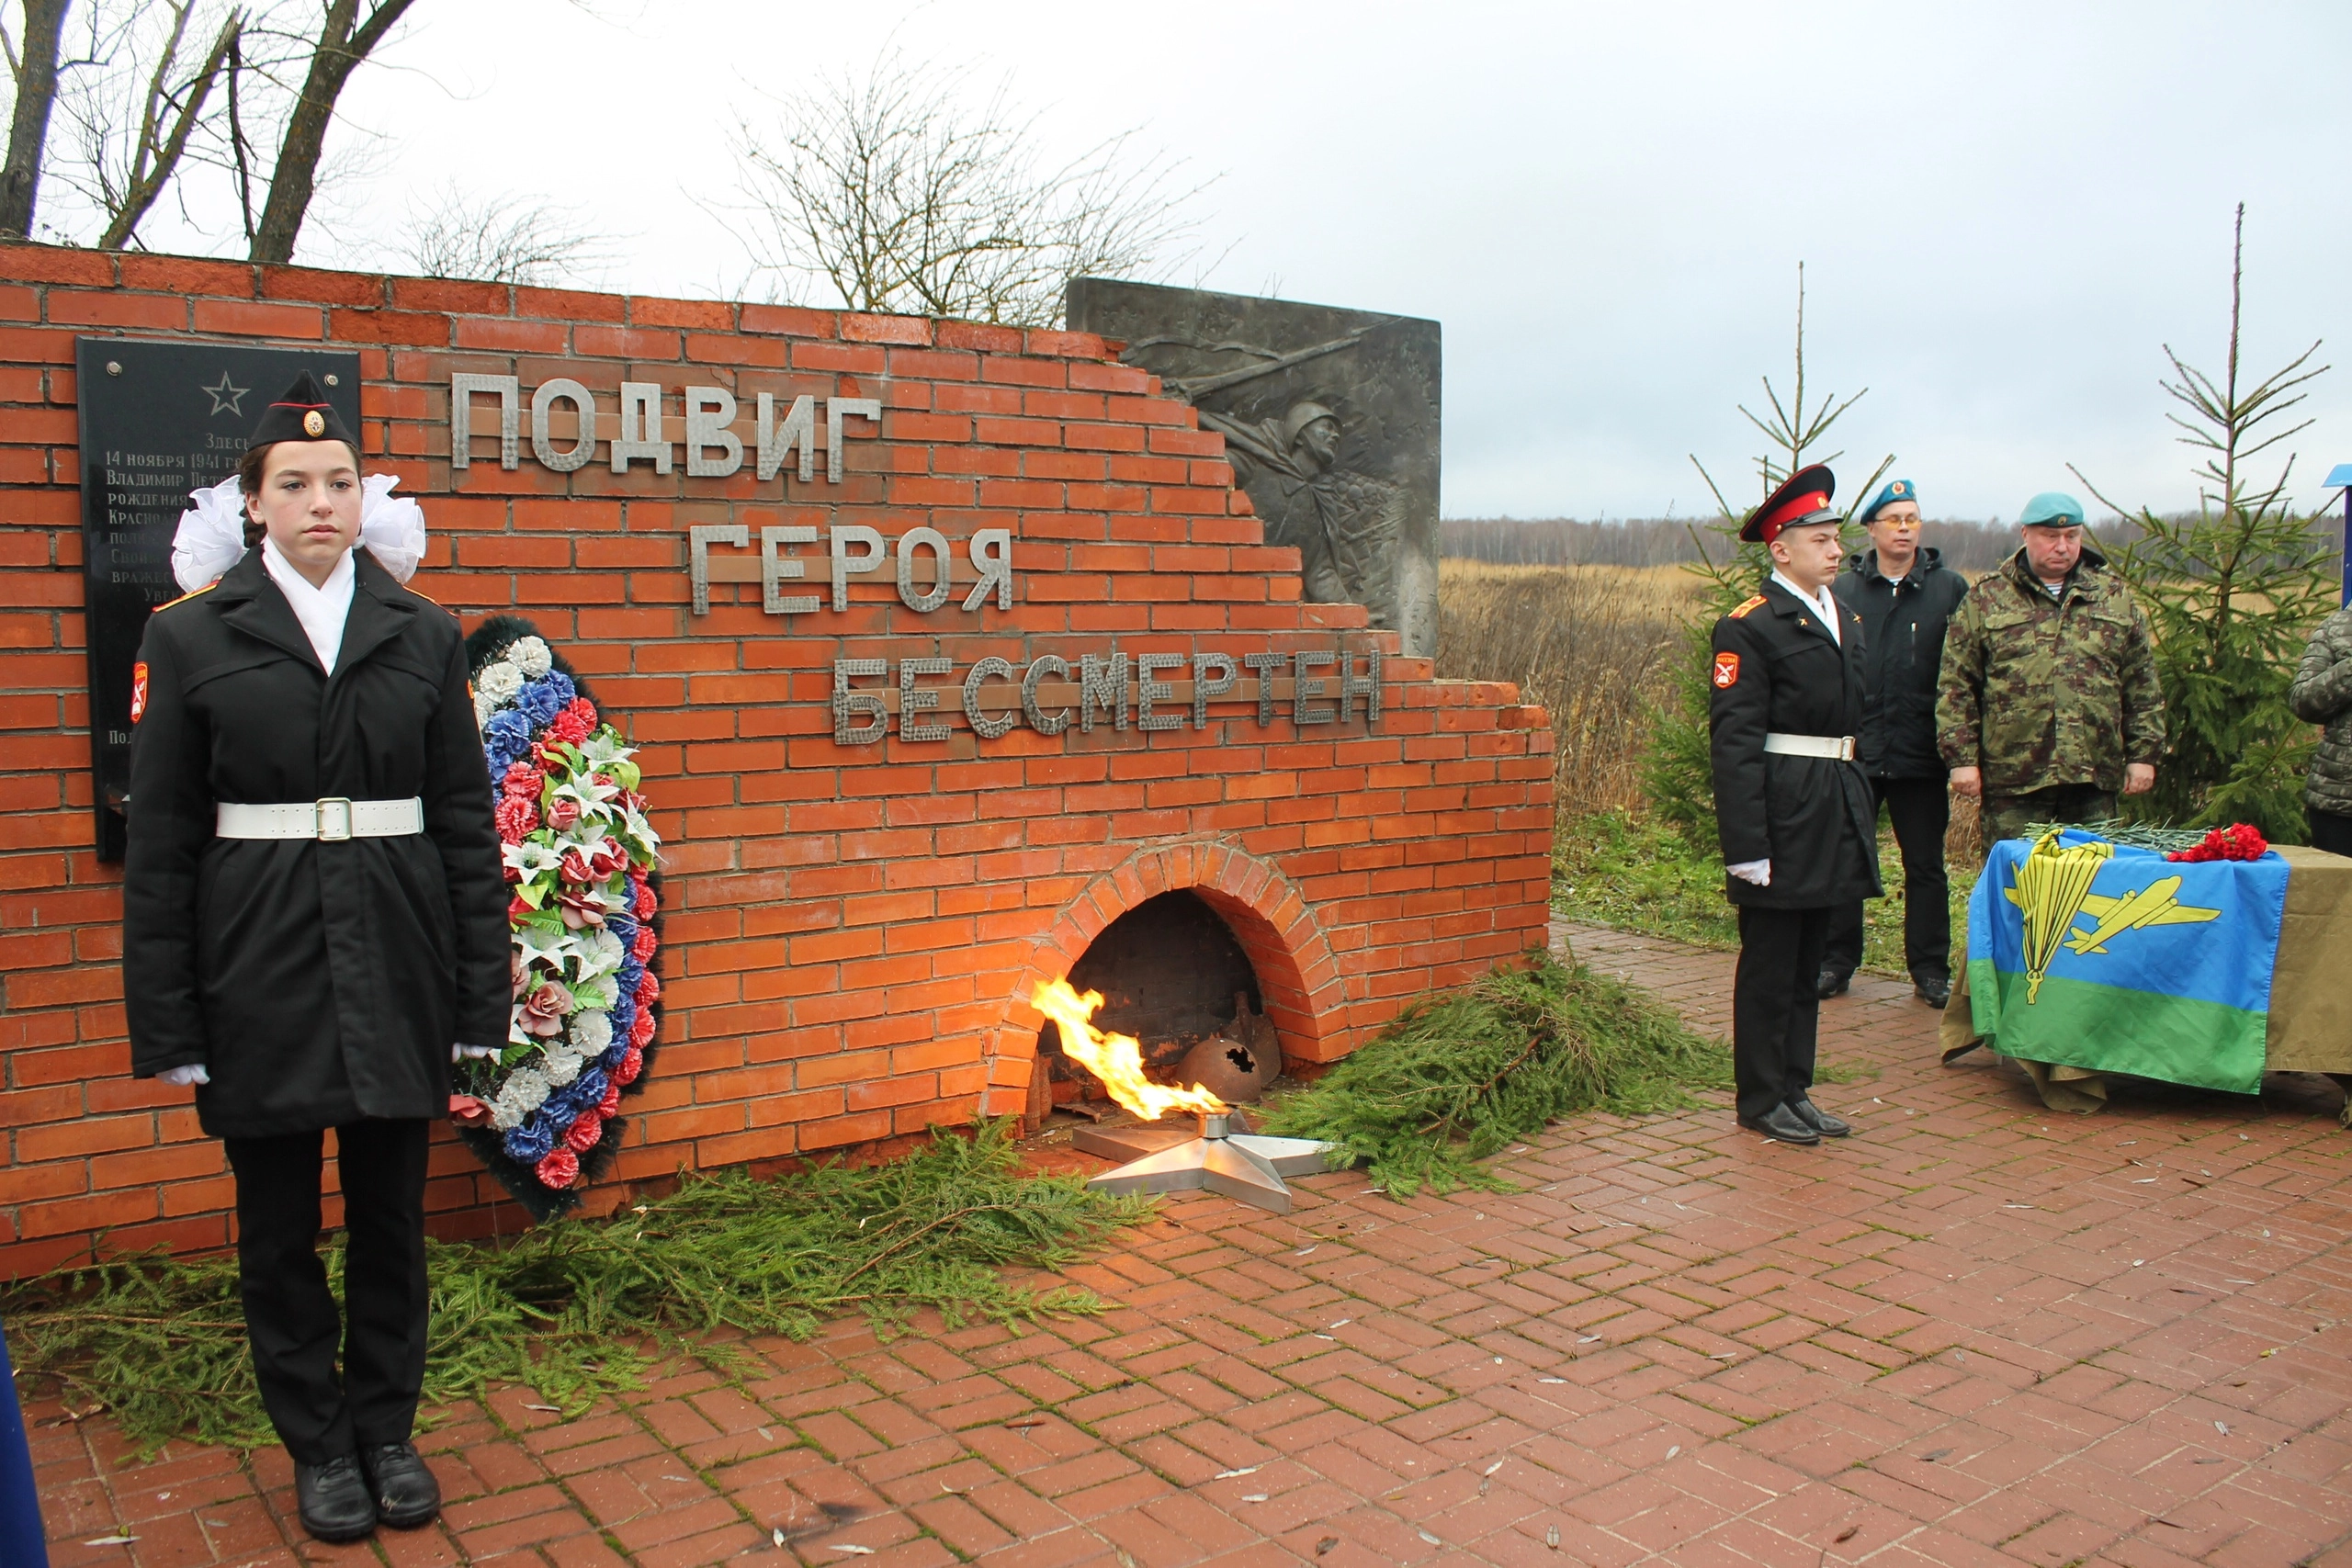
(180, 1078)
(1758, 872)
(461, 1053)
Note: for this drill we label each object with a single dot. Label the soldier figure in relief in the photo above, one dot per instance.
(1345, 525)
(1794, 809)
(2049, 701)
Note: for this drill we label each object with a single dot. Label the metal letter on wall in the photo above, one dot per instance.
(543, 446)
(158, 421)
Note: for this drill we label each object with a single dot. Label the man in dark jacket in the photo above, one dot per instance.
(1792, 805)
(314, 920)
(1906, 596)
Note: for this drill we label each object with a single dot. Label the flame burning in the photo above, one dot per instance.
(1116, 1059)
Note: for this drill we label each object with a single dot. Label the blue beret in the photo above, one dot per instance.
(1896, 489)
(2052, 509)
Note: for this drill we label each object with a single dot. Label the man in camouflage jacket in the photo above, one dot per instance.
(2049, 701)
(2323, 695)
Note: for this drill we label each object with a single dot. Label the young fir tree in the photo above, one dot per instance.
(2232, 592)
(1678, 775)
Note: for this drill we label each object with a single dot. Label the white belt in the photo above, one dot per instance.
(1837, 747)
(330, 820)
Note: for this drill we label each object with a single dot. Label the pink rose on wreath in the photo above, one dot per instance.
(606, 859)
(515, 816)
(579, 908)
(632, 1064)
(559, 1170)
(544, 1009)
(563, 813)
(523, 780)
(585, 1133)
(518, 974)
(610, 1106)
(517, 908)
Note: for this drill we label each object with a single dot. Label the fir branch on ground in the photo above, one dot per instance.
(1457, 1077)
(574, 1309)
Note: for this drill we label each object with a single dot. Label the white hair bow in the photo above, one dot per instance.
(212, 536)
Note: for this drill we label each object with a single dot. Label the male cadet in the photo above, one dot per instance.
(2048, 698)
(1905, 597)
(1791, 805)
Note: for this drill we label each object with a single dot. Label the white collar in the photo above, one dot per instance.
(320, 609)
(1824, 603)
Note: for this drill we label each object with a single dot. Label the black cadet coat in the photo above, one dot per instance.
(1777, 670)
(1903, 643)
(317, 983)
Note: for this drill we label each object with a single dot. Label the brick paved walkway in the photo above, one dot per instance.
(1976, 1333)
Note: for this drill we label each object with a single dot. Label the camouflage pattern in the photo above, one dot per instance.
(2323, 695)
(2040, 691)
(2008, 815)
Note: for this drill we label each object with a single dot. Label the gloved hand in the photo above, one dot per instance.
(181, 1077)
(1758, 872)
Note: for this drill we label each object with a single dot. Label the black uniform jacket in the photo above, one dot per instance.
(1903, 644)
(318, 983)
(1777, 670)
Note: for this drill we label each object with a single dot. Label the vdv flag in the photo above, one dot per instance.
(2099, 956)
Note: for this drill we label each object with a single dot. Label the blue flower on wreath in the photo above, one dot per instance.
(624, 1012)
(539, 702)
(507, 737)
(530, 1143)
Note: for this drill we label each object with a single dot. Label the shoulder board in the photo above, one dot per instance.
(1749, 604)
(184, 598)
(430, 600)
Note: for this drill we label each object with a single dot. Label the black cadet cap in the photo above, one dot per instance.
(302, 413)
(1803, 499)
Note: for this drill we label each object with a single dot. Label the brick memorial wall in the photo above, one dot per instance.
(892, 798)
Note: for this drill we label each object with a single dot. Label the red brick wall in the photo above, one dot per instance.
(852, 931)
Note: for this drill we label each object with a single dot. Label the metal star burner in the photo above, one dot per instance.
(1223, 1157)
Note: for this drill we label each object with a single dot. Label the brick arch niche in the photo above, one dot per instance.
(1305, 994)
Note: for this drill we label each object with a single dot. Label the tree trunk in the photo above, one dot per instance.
(340, 50)
(28, 130)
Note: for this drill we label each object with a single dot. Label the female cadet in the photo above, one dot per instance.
(313, 923)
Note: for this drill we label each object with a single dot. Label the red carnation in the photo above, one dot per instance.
(584, 1133)
(632, 1064)
(575, 722)
(523, 780)
(516, 816)
(648, 990)
(640, 1033)
(646, 902)
(610, 1106)
(642, 948)
(559, 1170)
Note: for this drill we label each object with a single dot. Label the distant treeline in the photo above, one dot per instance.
(1666, 541)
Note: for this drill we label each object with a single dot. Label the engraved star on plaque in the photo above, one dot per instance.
(226, 396)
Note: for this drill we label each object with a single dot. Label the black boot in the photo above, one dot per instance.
(1780, 1124)
(1833, 982)
(406, 1495)
(1933, 989)
(333, 1499)
(1820, 1121)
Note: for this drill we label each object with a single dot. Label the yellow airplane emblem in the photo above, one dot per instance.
(2053, 892)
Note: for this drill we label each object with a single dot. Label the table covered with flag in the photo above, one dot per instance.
(2086, 958)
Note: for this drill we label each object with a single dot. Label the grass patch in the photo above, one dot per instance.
(1457, 1077)
(1614, 869)
(569, 1309)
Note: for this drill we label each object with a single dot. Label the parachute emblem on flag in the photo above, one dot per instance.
(2053, 889)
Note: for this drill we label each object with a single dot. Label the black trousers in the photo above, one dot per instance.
(290, 1315)
(2329, 831)
(1921, 811)
(1775, 1004)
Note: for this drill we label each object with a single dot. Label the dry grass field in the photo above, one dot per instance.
(1593, 644)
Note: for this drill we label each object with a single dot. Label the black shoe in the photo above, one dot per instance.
(406, 1495)
(1833, 982)
(333, 1499)
(1933, 989)
(1780, 1124)
(1820, 1121)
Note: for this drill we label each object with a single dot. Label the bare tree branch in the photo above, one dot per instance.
(344, 41)
(157, 152)
(498, 240)
(895, 194)
(35, 72)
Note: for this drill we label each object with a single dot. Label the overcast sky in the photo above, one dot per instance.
(2004, 210)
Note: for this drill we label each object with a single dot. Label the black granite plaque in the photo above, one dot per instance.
(160, 420)
(1331, 417)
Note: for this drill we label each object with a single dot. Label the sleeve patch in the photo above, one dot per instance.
(1739, 614)
(138, 690)
(1727, 670)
